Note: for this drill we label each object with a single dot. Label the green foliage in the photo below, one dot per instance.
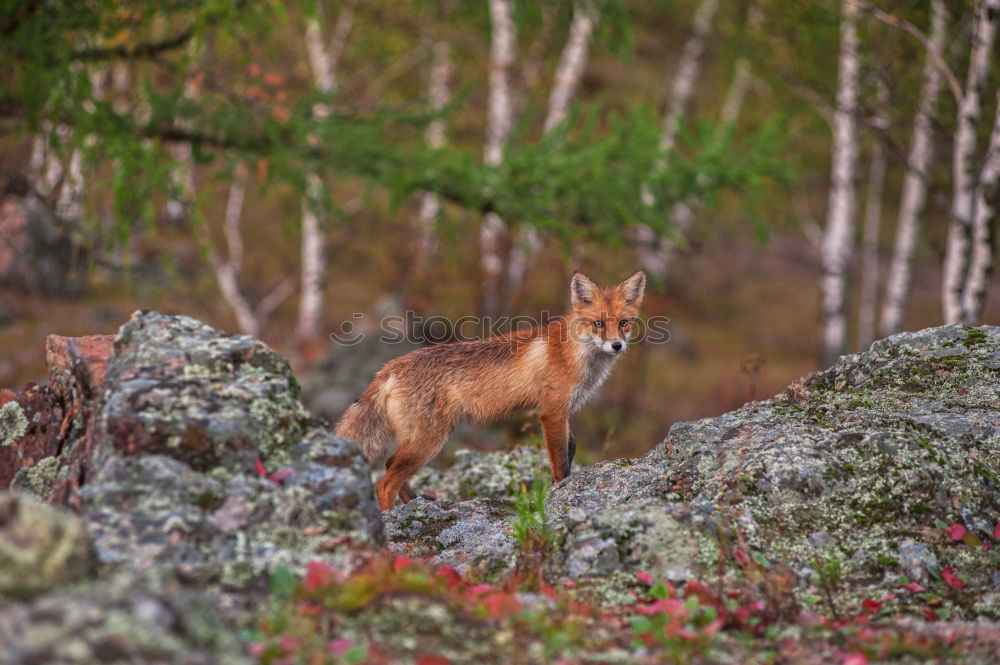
(582, 181)
(528, 523)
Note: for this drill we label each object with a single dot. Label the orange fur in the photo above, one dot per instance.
(417, 398)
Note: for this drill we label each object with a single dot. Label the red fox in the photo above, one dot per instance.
(417, 398)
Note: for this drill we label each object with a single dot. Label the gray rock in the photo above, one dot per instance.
(914, 559)
(123, 620)
(41, 547)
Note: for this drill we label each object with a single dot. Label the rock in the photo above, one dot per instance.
(78, 364)
(124, 619)
(915, 559)
(471, 536)
(43, 413)
(187, 451)
(41, 548)
(487, 475)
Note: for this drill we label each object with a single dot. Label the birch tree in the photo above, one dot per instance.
(323, 59)
(964, 167)
(983, 229)
(500, 119)
(873, 217)
(569, 71)
(438, 95)
(914, 197)
(838, 234)
(653, 250)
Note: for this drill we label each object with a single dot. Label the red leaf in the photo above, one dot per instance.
(258, 466)
(281, 475)
(644, 578)
(870, 606)
(996, 531)
(912, 587)
(953, 580)
(319, 574)
(401, 563)
(741, 556)
(930, 614)
(449, 575)
(956, 531)
(855, 659)
(309, 609)
(549, 591)
(501, 603)
(433, 659)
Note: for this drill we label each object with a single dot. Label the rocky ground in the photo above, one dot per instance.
(173, 501)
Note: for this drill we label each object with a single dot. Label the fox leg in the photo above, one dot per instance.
(571, 446)
(414, 452)
(558, 441)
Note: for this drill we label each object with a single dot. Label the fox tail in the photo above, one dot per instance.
(365, 421)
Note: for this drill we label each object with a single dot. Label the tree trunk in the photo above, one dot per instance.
(983, 229)
(914, 197)
(430, 204)
(500, 118)
(323, 62)
(873, 218)
(964, 171)
(653, 250)
(572, 63)
(839, 232)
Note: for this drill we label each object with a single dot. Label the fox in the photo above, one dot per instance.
(417, 399)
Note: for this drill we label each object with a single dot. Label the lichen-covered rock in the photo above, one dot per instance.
(178, 387)
(484, 475)
(13, 424)
(193, 455)
(122, 620)
(41, 547)
(473, 537)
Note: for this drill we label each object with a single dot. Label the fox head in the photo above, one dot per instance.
(604, 317)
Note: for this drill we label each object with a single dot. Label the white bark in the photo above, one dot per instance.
(323, 63)
(914, 196)
(500, 120)
(873, 219)
(572, 63)
(227, 270)
(742, 74)
(182, 177)
(964, 171)
(983, 225)
(430, 204)
(839, 231)
(653, 250)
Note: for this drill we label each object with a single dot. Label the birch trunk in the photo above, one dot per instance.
(838, 235)
(983, 229)
(498, 126)
(873, 219)
(430, 203)
(322, 61)
(569, 71)
(957, 254)
(653, 250)
(227, 270)
(914, 197)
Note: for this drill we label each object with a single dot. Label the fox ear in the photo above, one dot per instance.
(634, 287)
(582, 290)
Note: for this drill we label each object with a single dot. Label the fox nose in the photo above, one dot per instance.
(617, 346)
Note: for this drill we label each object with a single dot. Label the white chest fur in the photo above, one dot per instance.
(596, 366)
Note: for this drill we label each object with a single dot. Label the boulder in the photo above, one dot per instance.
(187, 450)
(127, 619)
(41, 547)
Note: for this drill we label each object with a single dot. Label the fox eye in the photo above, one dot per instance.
(624, 322)
(598, 324)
